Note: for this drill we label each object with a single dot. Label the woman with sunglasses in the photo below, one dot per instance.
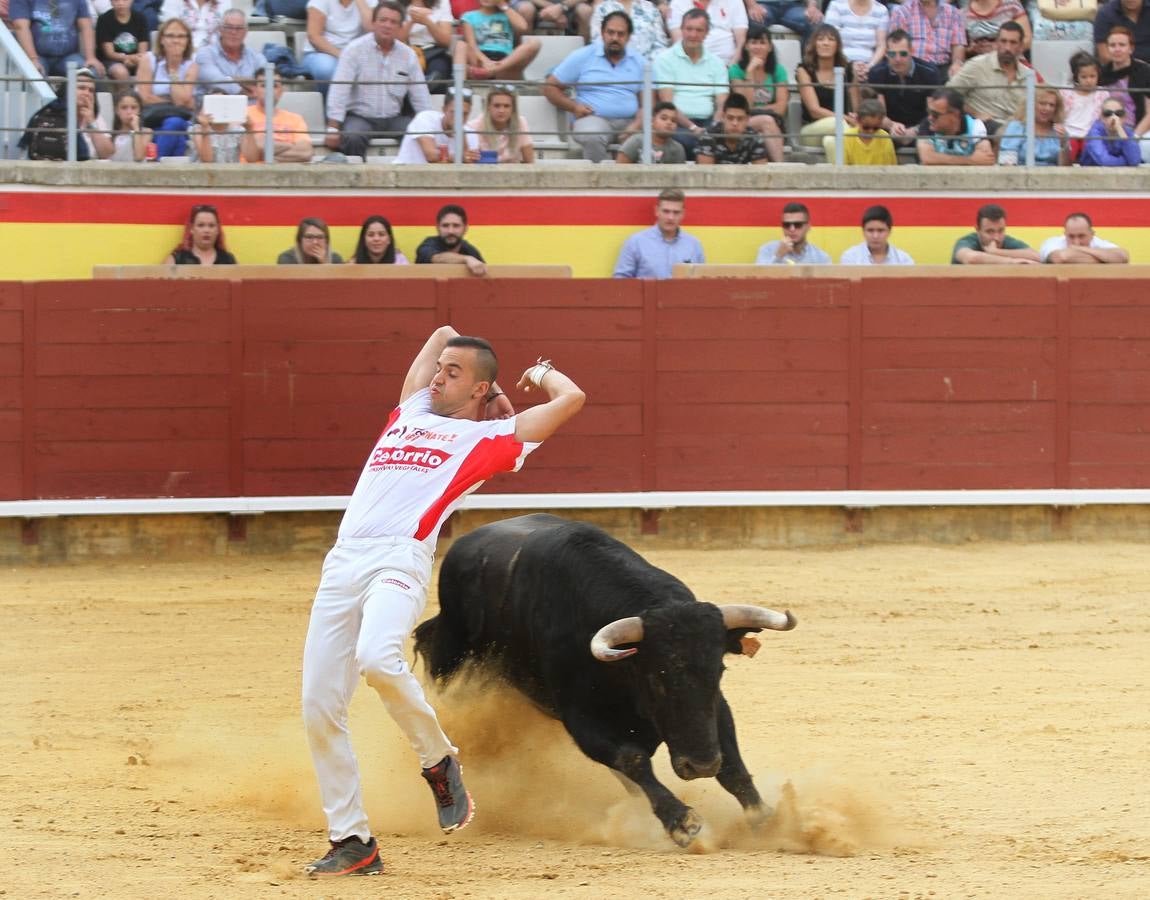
(501, 129)
(203, 243)
(167, 84)
(1051, 143)
(312, 246)
(1110, 141)
(376, 244)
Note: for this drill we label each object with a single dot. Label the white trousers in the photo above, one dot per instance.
(371, 594)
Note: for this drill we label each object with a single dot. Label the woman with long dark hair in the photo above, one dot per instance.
(815, 76)
(376, 244)
(203, 242)
(761, 78)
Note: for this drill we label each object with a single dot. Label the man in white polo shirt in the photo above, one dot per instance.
(1079, 244)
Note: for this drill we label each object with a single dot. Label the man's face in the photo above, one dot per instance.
(121, 6)
(1132, 6)
(991, 232)
(668, 216)
(385, 26)
(1009, 46)
(1120, 50)
(943, 119)
(795, 227)
(898, 56)
(734, 121)
(664, 122)
(455, 383)
(615, 37)
(232, 33)
(1078, 232)
(259, 93)
(877, 234)
(694, 32)
(451, 229)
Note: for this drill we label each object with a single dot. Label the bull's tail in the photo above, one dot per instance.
(442, 652)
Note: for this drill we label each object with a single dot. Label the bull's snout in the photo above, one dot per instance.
(687, 768)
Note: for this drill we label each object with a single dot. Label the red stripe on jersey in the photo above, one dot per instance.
(390, 421)
(491, 455)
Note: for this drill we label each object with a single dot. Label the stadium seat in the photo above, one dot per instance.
(300, 44)
(789, 54)
(308, 104)
(246, 7)
(553, 50)
(548, 125)
(255, 40)
(1052, 59)
(105, 106)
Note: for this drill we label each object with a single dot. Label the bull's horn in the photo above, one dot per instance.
(621, 631)
(738, 615)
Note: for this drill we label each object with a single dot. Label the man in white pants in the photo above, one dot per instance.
(453, 429)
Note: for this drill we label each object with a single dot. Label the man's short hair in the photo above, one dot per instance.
(871, 109)
(1122, 29)
(1079, 215)
(952, 97)
(795, 207)
(451, 209)
(663, 105)
(388, 4)
(486, 365)
(1012, 26)
(878, 214)
(233, 13)
(672, 195)
(736, 101)
(618, 14)
(992, 212)
(900, 34)
(694, 13)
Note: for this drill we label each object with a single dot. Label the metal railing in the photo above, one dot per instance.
(23, 90)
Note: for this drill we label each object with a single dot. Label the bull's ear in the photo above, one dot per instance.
(740, 642)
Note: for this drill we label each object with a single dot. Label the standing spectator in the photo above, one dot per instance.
(693, 79)
(1079, 245)
(501, 129)
(428, 30)
(55, 32)
(993, 83)
(816, 80)
(1051, 147)
(664, 148)
(203, 243)
(901, 81)
(984, 18)
(728, 31)
(227, 66)
(331, 26)
(203, 17)
(800, 16)
(1131, 14)
(1129, 79)
(865, 144)
(492, 33)
(290, 140)
(937, 30)
(654, 252)
(607, 80)
(793, 249)
(447, 245)
(650, 29)
(121, 40)
(430, 137)
(1110, 141)
(948, 136)
(876, 248)
(376, 244)
(568, 16)
(312, 246)
(989, 244)
(130, 138)
(1083, 102)
(732, 142)
(374, 76)
(863, 25)
(167, 83)
(761, 78)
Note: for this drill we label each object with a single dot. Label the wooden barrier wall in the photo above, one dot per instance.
(217, 388)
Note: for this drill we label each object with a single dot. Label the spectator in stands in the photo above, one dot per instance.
(901, 82)
(1078, 244)
(761, 78)
(649, 36)
(732, 141)
(989, 244)
(876, 248)
(664, 148)
(992, 83)
(1083, 102)
(1131, 14)
(607, 80)
(167, 85)
(654, 252)
(430, 137)
(210, 141)
(150, 10)
(568, 16)
(948, 136)
(92, 129)
(695, 80)
(226, 65)
(1110, 141)
(501, 129)
(203, 243)
(312, 246)
(122, 37)
(496, 47)
(290, 139)
(984, 19)
(376, 244)
(448, 244)
(793, 249)
(728, 31)
(428, 30)
(863, 25)
(1128, 78)
(331, 26)
(376, 73)
(1051, 146)
(937, 30)
(816, 80)
(800, 16)
(55, 32)
(867, 143)
(130, 138)
(203, 17)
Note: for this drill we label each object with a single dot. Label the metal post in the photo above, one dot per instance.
(648, 155)
(269, 112)
(457, 110)
(840, 107)
(70, 100)
(1030, 96)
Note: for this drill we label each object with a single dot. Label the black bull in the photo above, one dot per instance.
(618, 650)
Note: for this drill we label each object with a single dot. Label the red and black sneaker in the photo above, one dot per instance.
(454, 804)
(351, 856)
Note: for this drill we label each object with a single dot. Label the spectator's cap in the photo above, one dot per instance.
(466, 93)
(85, 72)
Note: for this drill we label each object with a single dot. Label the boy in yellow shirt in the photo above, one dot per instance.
(866, 144)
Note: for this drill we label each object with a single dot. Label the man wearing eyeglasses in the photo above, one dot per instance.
(902, 81)
(54, 33)
(793, 249)
(950, 137)
(227, 65)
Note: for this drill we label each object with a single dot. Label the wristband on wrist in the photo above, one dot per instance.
(492, 396)
(541, 368)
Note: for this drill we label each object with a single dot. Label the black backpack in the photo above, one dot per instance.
(51, 141)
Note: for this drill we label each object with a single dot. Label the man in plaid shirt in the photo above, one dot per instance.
(936, 29)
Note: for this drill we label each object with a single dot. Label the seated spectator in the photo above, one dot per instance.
(376, 244)
(122, 37)
(695, 80)
(1129, 14)
(728, 31)
(290, 9)
(428, 30)
(606, 79)
(312, 246)
(655, 251)
(936, 29)
(989, 244)
(793, 249)
(901, 81)
(167, 85)
(984, 18)
(203, 243)
(992, 83)
(761, 78)
(1062, 20)
(863, 25)
(865, 144)
(210, 141)
(1078, 245)
(650, 29)
(290, 140)
(501, 129)
(950, 137)
(46, 135)
(567, 16)
(1051, 147)
(447, 245)
(226, 65)
(54, 33)
(203, 17)
(800, 16)
(732, 141)
(876, 248)
(375, 75)
(664, 148)
(430, 137)
(1083, 102)
(492, 33)
(1110, 141)
(331, 26)
(150, 10)
(816, 80)
(130, 138)
(1128, 78)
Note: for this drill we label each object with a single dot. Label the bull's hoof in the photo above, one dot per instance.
(758, 816)
(687, 829)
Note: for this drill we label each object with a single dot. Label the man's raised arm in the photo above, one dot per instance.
(565, 400)
(423, 366)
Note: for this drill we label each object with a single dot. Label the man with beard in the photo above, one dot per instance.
(448, 246)
(993, 82)
(1121, 74)
(607, 79)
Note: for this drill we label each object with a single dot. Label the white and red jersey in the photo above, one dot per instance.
(422, 467)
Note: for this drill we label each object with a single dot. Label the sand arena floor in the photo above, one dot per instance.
(945, 722)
